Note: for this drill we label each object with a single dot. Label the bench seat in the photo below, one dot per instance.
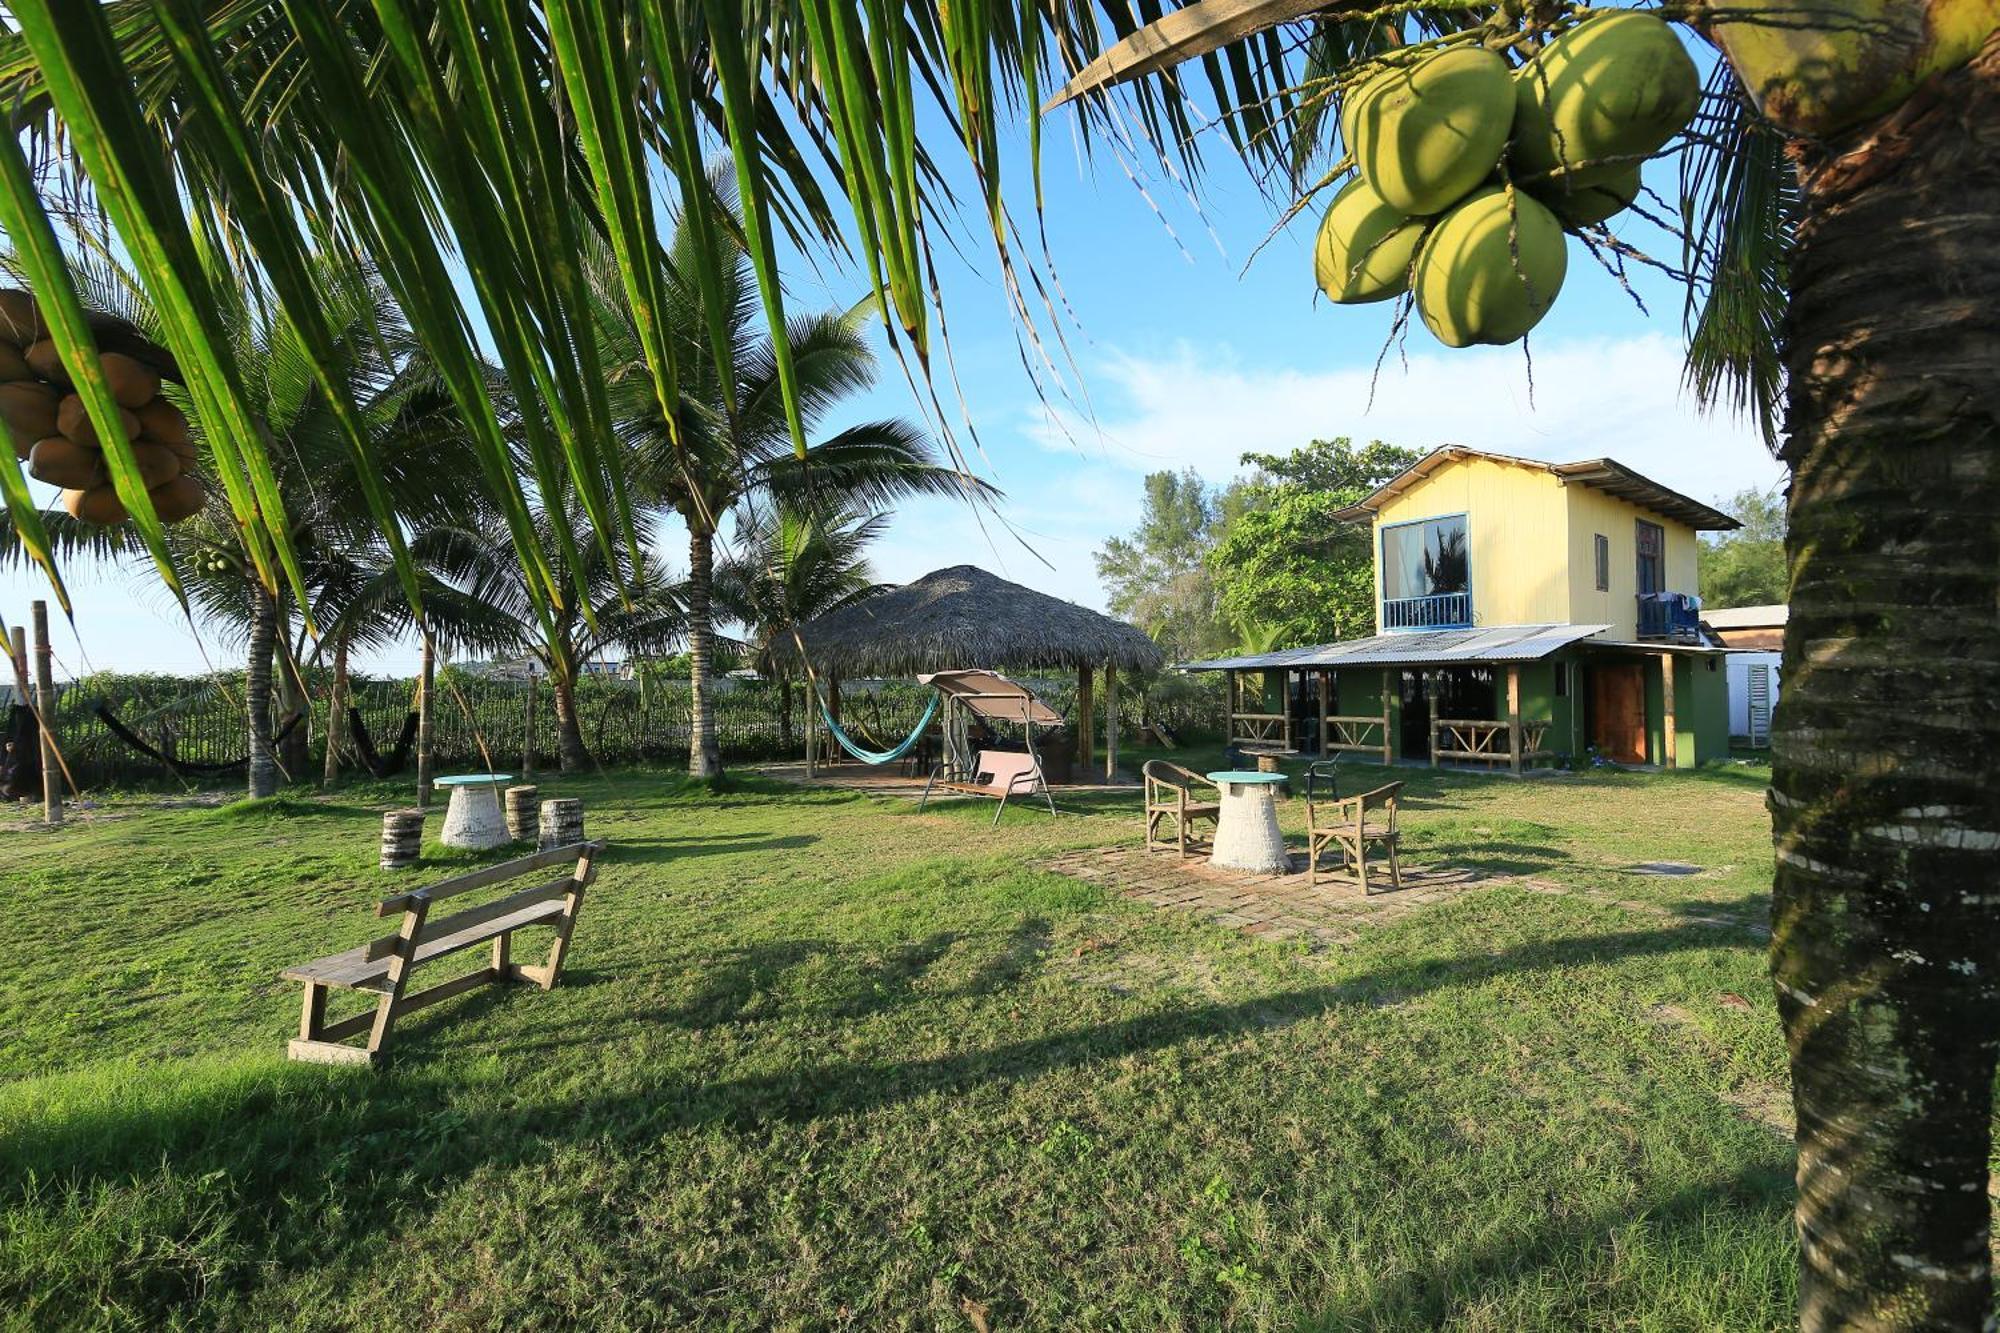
(382, 966)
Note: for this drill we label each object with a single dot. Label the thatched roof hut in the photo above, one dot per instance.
(966, 617)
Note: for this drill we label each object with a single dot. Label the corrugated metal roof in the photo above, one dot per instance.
(1607, 475)
(1501, 643)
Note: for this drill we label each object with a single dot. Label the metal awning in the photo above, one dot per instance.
(989, 694)
(1437, 647)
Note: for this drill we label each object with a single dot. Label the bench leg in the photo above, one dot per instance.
(502, 947)
(313, 1018)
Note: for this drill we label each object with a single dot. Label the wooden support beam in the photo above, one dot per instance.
(1670, 749)
(1086, 719)
(45, 712)
(1110, 721)
(1325, 706)
(1430, 695)
(426, 687)
(1514, 719)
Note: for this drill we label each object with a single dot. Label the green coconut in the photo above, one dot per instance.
(1469, 287)
(1608, 92)
(1365, 247)
(1427, 132)
(1582, 205)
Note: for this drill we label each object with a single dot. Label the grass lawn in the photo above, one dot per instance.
(823, 1062)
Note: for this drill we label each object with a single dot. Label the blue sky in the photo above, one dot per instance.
(1186, 360)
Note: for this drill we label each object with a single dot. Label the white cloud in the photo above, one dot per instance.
(1200, 407)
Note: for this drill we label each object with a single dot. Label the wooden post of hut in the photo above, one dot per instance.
(1514, 719)
(1110, 721)
(1431, 684)
(833, 712)
(426, 687)
(45, 709)
(1325, 709)
(1670, 748)
(1086, 720)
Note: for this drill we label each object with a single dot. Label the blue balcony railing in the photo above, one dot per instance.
(1445, 610)
(1673, 616)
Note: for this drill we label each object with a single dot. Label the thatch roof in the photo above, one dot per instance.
(966, 617)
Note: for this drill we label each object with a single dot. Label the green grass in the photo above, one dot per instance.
(823, 1062)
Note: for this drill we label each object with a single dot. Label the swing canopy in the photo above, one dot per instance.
(992, 696)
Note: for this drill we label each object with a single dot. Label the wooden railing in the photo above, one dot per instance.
(1478, 740)
(1261, 729)
(1364, 735)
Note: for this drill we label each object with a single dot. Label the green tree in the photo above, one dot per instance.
(1747, 567)
(1288, 563)
(728, 445)
(791, 565)
(1159, 577)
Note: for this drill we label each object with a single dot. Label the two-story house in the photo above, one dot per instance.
(1527, 611)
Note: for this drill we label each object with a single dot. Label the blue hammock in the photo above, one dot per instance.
(909, 742)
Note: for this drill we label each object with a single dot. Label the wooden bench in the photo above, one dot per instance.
(382, 966)
(994, 773)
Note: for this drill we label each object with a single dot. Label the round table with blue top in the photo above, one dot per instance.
(1246, 831)
(473, 819)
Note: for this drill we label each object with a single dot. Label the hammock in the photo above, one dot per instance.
(890, 756)
(364, 745)
(181, 768)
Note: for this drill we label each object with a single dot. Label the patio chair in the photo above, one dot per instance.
(1173, 790)
(1353, 825)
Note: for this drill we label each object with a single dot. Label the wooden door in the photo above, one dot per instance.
(1618, 711)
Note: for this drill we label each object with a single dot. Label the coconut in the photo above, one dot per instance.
(13, 366)
(61, 461)
(99, 504)
(133, 382)
(162, 422)
(1364, 247)
(1469, 287)
(20, 320)
(179, 499)
(28, 409)
(1610, 91)
(1427, 132)
(73, 420)
(1583, 205)
(45, 361)
(157, 463)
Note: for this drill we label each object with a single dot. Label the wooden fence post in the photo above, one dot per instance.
(425, 711)
(45, 708)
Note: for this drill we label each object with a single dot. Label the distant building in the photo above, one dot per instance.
(1756, 633)
(1528, 610)
(1747, 626)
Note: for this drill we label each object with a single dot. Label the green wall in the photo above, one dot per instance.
(1701, 711)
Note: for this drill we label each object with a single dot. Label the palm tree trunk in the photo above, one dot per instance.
(257, 691)
(704, 754)
(1886, 921)
(571, 754)
(336, 713)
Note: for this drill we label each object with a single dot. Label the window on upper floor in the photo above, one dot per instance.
(1426, 574)
(1427, 558)
(1652, 557)
(1602, 544)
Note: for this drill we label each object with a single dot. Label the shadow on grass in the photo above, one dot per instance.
(680, 849)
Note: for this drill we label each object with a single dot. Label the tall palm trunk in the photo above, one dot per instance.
(336, 713)
(571, 755)
(704, 754)
(1886, 914)
(257, 691)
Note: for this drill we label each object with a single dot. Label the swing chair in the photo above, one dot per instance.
(989, 697)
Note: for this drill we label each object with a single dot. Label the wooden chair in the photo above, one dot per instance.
(995, 773)
(382, 966)
(1171, 790)
(1353, 825)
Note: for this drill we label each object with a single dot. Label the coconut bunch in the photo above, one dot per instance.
(1471, 171)
(53, 433)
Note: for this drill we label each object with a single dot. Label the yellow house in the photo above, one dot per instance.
(1526, 612)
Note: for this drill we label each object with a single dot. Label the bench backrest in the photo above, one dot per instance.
(999, 768)
(579, 856)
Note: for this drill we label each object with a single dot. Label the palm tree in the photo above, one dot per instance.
(632, 605)
(728, 447)
(791, 565)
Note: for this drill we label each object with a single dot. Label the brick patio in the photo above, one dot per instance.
(1273, 906)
